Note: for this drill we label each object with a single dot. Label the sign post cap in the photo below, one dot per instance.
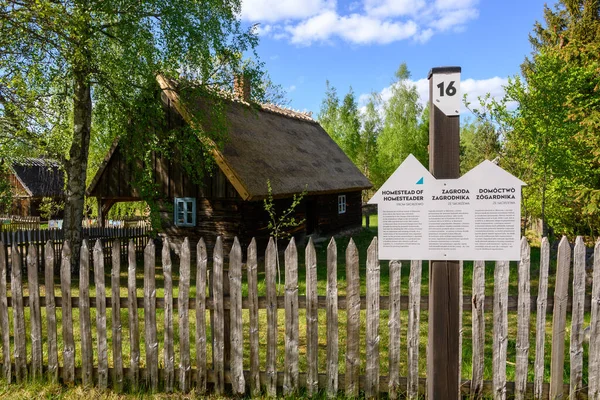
(443, 70)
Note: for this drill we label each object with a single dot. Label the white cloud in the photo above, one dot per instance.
(280, 10)
(354, 28)
(474, 88)
(304, 22)
(291, 88)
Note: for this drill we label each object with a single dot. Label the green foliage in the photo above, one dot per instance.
(6, 194)
(50, 207)
(371, 128)
(479, 140)
(402, 133)
(551, 140)
(280, 225)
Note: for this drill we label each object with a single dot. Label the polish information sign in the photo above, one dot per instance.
(475, 217)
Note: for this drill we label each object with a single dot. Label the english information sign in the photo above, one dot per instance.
(475, 217)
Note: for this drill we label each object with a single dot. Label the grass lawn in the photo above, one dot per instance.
(362, 240)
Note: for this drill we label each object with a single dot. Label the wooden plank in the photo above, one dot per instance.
(237, 336)
(132, 311)
(353, 320)
(372, 338)
(332, 320)
(50, 313)
(117, 329)
(290, 375)
(150, 340)
(169, 352)
(201, 264)
(87, 351)
(312, 320)
(559, 319)
(35, 312)
(394, 330)
(271, 288)
(540, 324)
(478, 329)
(576, 343)
(183, 302)
(4, 321)
(218, 329)
(18, 317)
(413, 333)
(101, 314)
(67, 316)
(594, 350)
(252, 270)
(523, 316)
(500, 341)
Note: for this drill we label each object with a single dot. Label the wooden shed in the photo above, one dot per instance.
(264, 143)
(31, 180)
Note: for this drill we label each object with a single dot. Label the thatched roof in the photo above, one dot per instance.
(266, 142)
(40, 177)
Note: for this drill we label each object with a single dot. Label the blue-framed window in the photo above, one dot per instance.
(185, 211)
(342, 204)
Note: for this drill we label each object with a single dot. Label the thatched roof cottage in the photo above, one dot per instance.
(264, 142)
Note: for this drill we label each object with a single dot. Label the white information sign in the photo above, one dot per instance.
(475, 217)
(446, 92)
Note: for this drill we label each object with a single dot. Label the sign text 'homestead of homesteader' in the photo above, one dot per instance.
(475, 217)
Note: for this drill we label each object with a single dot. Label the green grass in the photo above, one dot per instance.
(362, 240)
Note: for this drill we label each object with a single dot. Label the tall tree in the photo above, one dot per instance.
(328, 115)
(371, 128)
(63, 60)
(349, 125)
(401, 135)
(479, 140)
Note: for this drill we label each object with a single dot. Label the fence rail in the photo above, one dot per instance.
(226, 342)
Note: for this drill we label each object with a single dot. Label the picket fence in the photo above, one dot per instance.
(227, 326)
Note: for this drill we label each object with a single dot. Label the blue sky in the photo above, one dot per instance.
(361, 43)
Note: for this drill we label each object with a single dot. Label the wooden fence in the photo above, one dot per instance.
(21, 239)
(226, 341)
(17, 222)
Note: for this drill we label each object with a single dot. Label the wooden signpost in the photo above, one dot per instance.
(443, 340)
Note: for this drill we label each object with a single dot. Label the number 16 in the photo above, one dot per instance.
(450, 90)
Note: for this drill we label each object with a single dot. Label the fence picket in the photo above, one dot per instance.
(576, 342)
(524, 313)
(4, 322)
(594, 350)
(332, 320)
(201, 264)
(150, 316)
(87, 352)
(478, 328)
(169, 352)
(101, 315)
(352, 319)
(372, 339)
(500, 341)
(117, 329)
(134, 330)
(237, 337)
(35, 311)
(540, 324)
(252, 270)
(290, 375)
(219, 315)
(50, 313)
(559, 319)
(270, 273)
(312, 317)
(183, 299)
(18, 317)
(413, 333)
(67, 315)
(394, 330)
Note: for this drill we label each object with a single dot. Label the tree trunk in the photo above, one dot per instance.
(76, 165)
